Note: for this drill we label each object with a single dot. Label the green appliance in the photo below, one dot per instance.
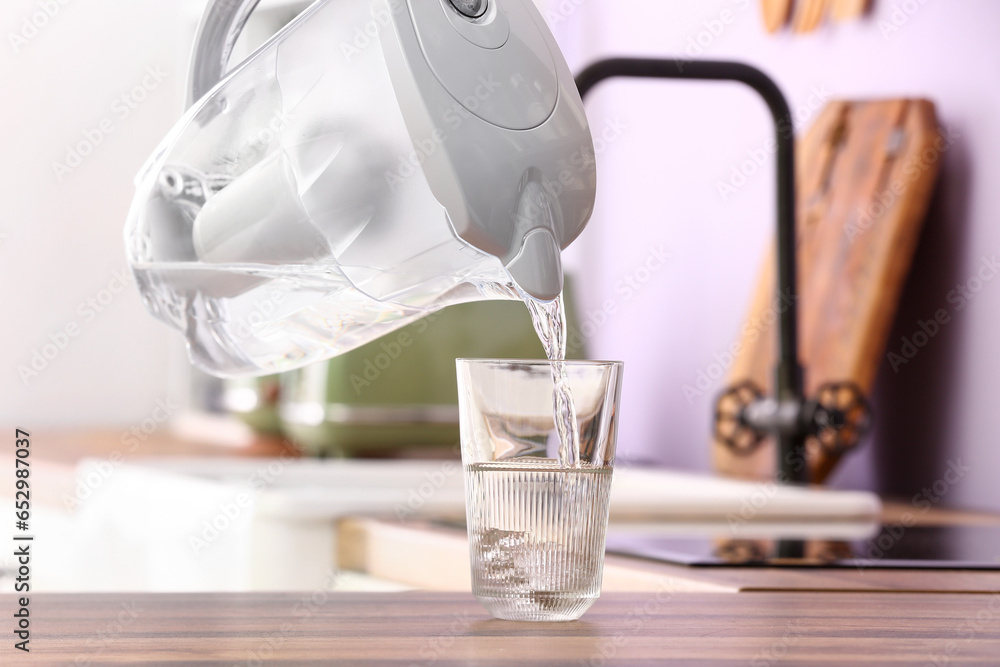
(400, 391)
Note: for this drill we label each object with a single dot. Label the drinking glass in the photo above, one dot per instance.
(537, 526)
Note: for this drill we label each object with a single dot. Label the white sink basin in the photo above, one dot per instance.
(224, 524)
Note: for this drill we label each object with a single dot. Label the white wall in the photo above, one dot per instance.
(63, 72)
(659, 185)
(63, 232)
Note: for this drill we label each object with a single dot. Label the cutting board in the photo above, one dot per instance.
(809, 14)
(843, 10)
(865, 174)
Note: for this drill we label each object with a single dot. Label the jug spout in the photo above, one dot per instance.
(535, 257)
(537, 268)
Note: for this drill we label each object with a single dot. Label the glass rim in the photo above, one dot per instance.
(591, 363)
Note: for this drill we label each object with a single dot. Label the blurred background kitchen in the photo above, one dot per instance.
(92, 87)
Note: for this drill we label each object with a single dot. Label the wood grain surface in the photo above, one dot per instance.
(452, 629)
(69, 447)
(866, 172)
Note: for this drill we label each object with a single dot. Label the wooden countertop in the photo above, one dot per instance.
(452, 629)
(436, 558)
(733, 617)
(69, 447)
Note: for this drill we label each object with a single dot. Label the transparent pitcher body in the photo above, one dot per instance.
(339, 183)
(286, 219)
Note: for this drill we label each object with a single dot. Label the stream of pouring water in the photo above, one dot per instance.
(549, 319)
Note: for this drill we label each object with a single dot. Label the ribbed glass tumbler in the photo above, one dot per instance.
(537, 518)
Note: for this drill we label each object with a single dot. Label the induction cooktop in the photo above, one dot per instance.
(892, 546)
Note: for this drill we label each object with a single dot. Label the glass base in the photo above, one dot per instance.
(537, 607)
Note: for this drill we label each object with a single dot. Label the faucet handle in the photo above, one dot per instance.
(835, 420)
(841, 416)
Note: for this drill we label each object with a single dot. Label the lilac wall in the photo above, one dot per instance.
(665, 150)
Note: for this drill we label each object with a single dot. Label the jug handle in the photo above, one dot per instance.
(220, 27)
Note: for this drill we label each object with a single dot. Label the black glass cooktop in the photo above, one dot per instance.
(894, 546)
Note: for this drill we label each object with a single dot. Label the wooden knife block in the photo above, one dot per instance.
(865, 175)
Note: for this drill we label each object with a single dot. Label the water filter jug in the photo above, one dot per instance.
(373, 162)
